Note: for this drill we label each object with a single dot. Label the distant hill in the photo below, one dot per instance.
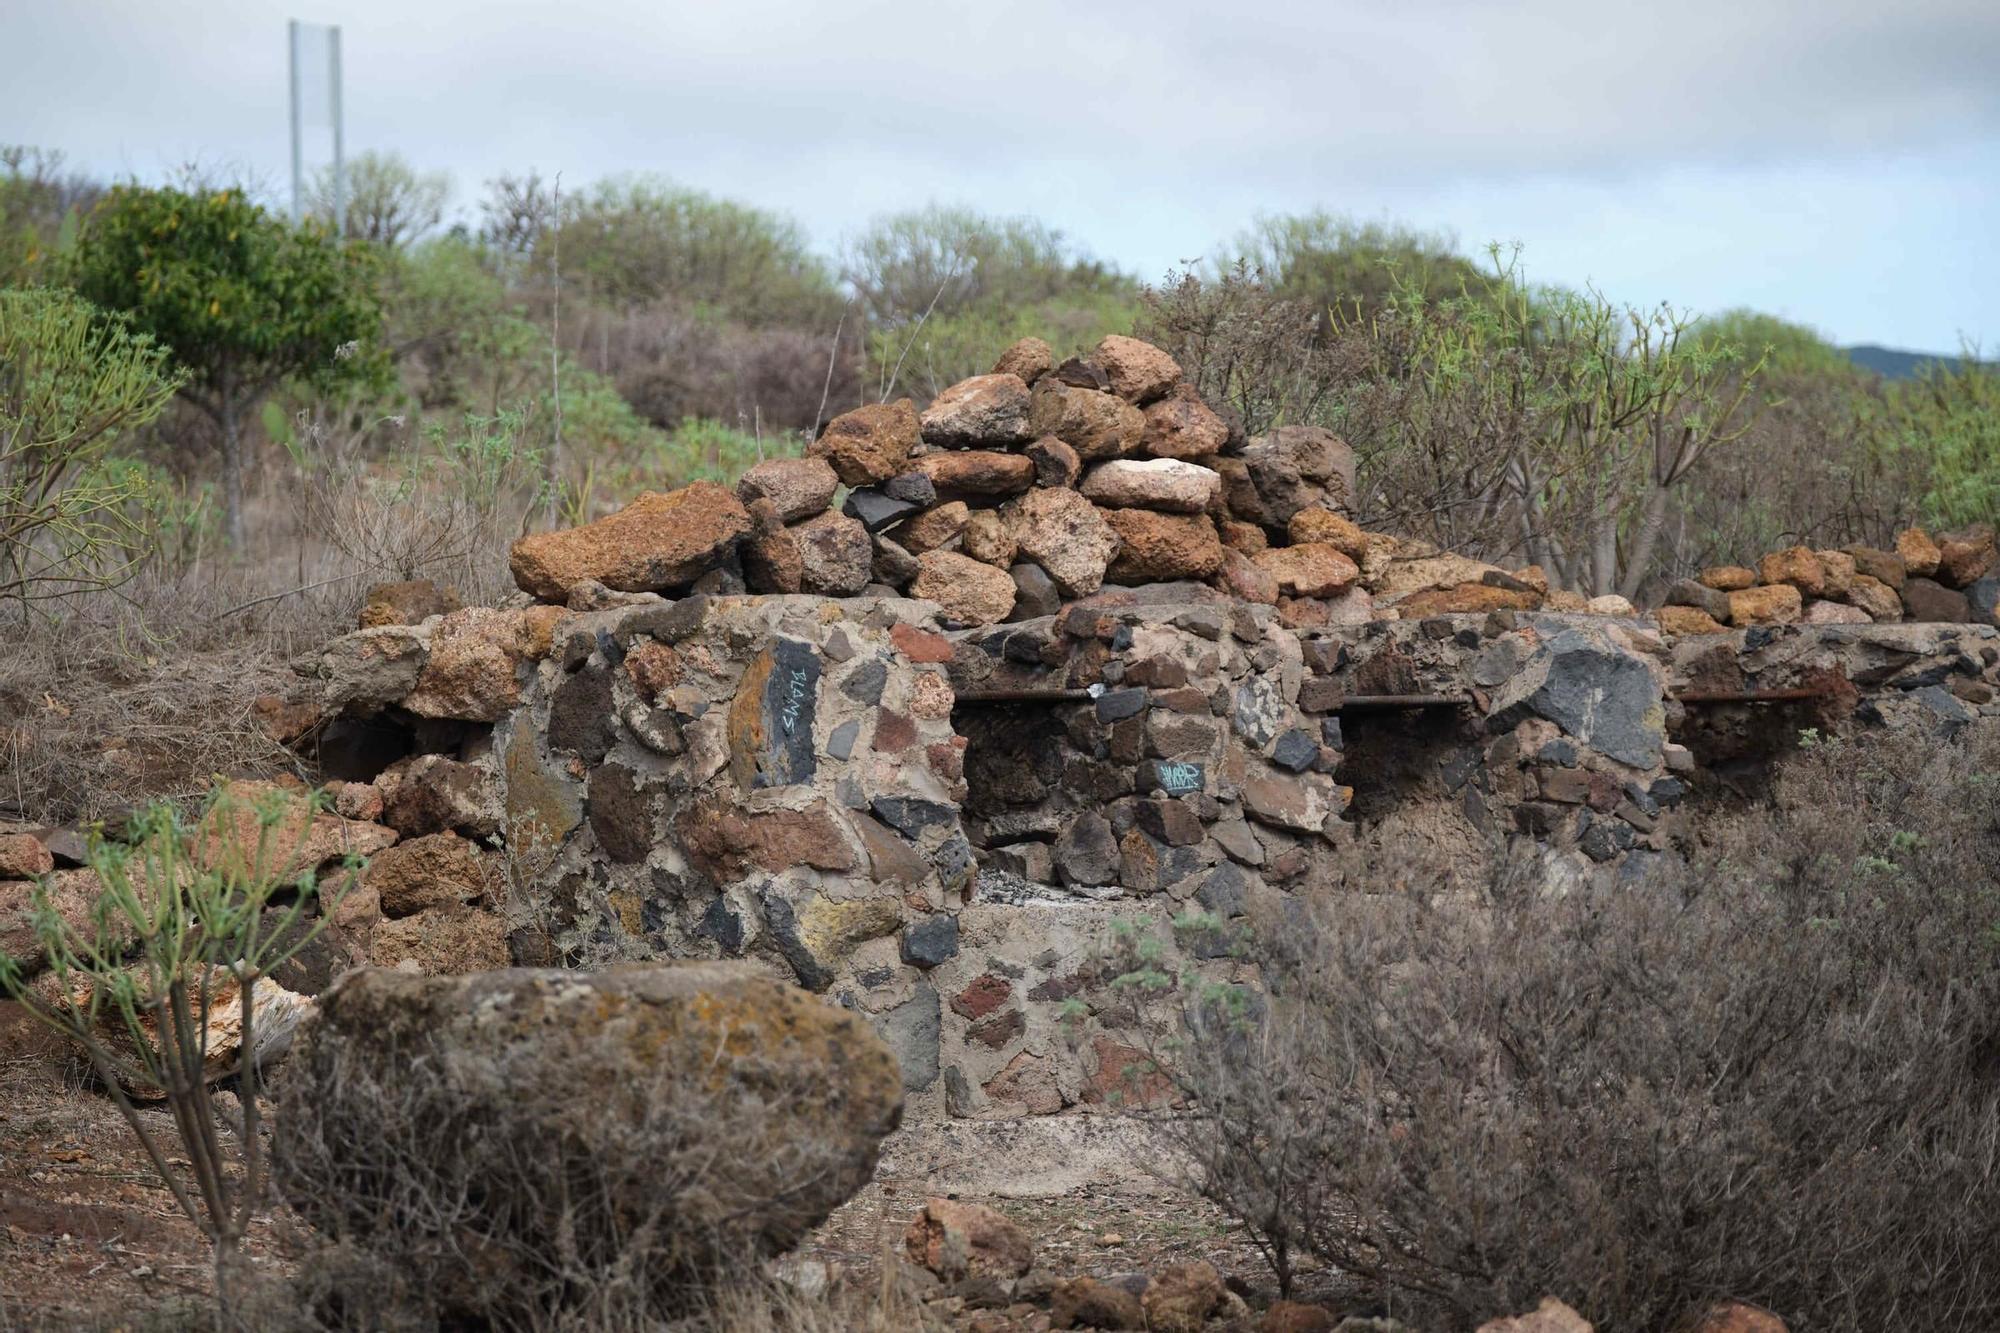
(1892, 364)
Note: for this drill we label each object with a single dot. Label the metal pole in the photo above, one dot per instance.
(298, 152)
(339, 155)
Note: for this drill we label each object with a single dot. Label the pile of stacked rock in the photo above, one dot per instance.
(1950, 579)
(1018, 491)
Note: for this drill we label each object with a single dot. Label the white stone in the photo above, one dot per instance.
(1168, 484)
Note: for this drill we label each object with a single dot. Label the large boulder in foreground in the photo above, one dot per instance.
(672, 1122)
(658, 542)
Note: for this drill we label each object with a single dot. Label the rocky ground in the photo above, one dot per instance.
(89, 1238)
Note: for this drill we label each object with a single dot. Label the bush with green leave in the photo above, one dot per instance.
(72, 383)
(244, 302)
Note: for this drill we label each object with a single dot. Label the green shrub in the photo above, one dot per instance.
(72, 382)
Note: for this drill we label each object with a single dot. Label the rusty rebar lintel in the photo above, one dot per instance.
(1364, 701)
(1024, 696)
(1750, 696)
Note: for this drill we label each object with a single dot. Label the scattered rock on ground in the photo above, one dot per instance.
(959, 1240)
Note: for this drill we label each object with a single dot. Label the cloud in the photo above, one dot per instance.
(1152, 130)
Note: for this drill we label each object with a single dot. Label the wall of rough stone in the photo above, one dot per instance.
(938, 827)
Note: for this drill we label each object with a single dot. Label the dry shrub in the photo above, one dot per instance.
(1772, 1074)
(148, 691)
(663, 1206)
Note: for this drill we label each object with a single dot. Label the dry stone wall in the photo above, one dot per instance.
(938, 826)
(915, 718)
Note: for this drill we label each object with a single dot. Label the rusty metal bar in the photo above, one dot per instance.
(1750, 696)
(1023, 696)
(1392, 701)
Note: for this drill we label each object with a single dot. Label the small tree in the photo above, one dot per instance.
(243, 300)
(190, 917)
(71, 382)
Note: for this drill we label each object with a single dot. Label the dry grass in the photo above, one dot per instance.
(145, 691)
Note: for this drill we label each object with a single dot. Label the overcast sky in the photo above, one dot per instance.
(1833, 161)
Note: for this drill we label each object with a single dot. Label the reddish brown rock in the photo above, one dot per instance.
(1096, 425)
(1468, 599)
(1066, 536)
(934, 528)
(1877, 598)
(473, 670)
(960, 1240)
(1772, 604)
(1162, 546)
(1182, 426)
(724, 841)
(870, 444)
(1181, 1297)
(1964, 557)
(1727, 578)
(1797, 566)
(285, 721)
(1687, 620)
(1316, 524)
(1839, 569)
(835, 555)
(772, 561)
(1240, 536)
(411, 602)
(1138, 371)
(797, 487)
(1302, 613)
(653, 667)
(1087, 1302)
(983, 412)
(966, 590)
(1294, 1317)
(1027, 1082)
(270, 828)
(1029, 359)
(70, 894)
(659, 541)
(920, 645)
(1309, 569)
(430, 793)
(1125, 1076)
(976, 474)
(24, 856)
(981, 996)
(1056, 464)
(1244, 578)
(1920, 554)
(436, 870)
